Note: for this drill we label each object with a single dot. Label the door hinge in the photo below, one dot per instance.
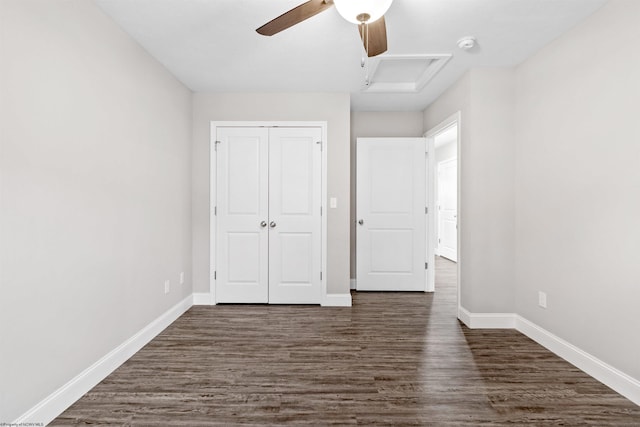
(438, 240)
(320, 210)
(426, 210)
(426, 265)
(215, 210)
(321, 275)
(215, 275)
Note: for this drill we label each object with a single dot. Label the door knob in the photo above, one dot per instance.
(361, 221)
(263, 224)
(272, 224)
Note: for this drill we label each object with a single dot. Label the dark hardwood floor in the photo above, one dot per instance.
(391, 359)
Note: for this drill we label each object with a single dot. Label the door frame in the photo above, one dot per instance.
(453, 120)
(214, 125)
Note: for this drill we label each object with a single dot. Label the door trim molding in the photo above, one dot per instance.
(212, 194)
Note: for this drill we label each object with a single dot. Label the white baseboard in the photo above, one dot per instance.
(613, 378)
(58, 401)
(53, 405)
(353, 284)
(487, 320)
(608, 375)
(464, 316)
(203, 298)
(337, 300)
(330, 300)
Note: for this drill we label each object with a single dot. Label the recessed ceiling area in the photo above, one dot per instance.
(404, 73)
(212, 45)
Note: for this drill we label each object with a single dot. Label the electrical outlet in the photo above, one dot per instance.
(542, 299)
(167, 286)
(182, 278)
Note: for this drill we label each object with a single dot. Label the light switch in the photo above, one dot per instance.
(333, 202)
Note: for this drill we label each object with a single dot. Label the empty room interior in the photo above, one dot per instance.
(331, 212)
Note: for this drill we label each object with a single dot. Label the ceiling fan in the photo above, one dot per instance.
(368, 14)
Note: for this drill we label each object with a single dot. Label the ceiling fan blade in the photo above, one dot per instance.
(294, 16)
(376, 35)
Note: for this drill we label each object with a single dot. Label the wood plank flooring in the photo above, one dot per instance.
(392, 359)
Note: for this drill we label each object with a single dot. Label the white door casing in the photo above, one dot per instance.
(391, 244)
(448, 209)
(294, 215)
(268, 223)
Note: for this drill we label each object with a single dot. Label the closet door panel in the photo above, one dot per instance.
(242, 205)
(294, 215)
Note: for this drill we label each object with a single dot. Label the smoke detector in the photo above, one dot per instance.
(467, 43)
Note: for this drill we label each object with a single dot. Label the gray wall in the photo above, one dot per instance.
(330, 107)
(377, 125)
(485, 98)
(578, 186)
(550, 173)
(94, 193)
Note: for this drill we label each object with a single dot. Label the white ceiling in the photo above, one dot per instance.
(212, 46)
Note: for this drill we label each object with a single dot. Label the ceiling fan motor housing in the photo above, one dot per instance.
(363, 17)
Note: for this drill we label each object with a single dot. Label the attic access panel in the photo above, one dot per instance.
(404, 73)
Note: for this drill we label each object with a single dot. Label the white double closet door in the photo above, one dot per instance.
(268, 215)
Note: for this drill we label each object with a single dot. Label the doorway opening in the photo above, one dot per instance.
(444, 142)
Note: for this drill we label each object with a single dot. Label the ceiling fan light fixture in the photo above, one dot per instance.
(356, 11)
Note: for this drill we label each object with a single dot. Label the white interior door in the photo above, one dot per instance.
(242, 255)
(391, 249)
(448, 209)
(295, 227)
